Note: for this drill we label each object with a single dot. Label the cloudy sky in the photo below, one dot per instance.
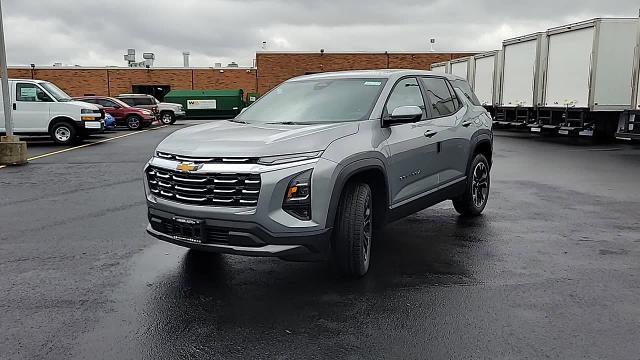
(97, 33)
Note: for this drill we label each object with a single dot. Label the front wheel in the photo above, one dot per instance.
(475, 197)
(354, 230)
(134, 122)
(63, 133)
(167, 118)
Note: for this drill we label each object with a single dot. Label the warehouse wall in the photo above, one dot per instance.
(272, 69)
(81, 81)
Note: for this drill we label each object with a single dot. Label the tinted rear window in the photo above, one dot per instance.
(128, 101)
(143, 101)
(443, 103)
(466, 89)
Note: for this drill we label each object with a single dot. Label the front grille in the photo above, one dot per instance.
(206, 160)
(221, 189)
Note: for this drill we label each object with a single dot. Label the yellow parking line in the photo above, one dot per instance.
(89, 144)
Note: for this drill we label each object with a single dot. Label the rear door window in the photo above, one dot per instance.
(145, 101)
(466, 90)
(128, 101)
(442, 102)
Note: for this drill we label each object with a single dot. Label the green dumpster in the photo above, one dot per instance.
(208, 103)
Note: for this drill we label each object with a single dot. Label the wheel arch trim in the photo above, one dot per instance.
(347, 172)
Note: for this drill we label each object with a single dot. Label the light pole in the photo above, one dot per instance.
(12, 150)
(8, 125)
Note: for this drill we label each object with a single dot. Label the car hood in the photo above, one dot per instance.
(169, 105)
(226, 138)
(81, 104)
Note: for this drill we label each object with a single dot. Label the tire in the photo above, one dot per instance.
(134, 122)
(64, 133)
(476, 194)
(167, 118)
(353, 233)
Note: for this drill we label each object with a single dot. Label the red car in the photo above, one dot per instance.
(133, 118)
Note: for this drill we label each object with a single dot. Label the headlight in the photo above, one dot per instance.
(89, 111)
(147, 112)
(297, 198)
(283, 159)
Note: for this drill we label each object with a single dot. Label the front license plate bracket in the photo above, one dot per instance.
(186, 229)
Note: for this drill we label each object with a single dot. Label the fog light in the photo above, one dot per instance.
(297, 199)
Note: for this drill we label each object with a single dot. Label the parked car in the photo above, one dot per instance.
(167, 112)
(40, 108)
(132, 117)
(311, 168)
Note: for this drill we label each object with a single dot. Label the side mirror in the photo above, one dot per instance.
(42, 96)
(116, 106)
(404, 114)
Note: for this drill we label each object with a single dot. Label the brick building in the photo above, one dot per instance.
(271, 69)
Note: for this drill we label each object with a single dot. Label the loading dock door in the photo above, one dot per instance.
(158, 91)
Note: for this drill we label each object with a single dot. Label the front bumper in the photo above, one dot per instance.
(148, 119)
(179, 114)
(91, 126)
(265, 223)
(242, 238)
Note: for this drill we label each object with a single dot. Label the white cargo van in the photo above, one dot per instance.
(40, 107)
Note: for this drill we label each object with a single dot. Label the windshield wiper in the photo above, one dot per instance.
(286, 123)
(237, 121)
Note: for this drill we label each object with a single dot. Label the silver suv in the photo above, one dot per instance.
(167, 113)
(313, 167)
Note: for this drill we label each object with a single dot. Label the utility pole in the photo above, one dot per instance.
(12, 150)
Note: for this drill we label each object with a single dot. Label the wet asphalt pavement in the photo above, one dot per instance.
(552, 269)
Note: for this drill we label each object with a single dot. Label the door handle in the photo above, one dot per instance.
(467, 123)
(430, 133)
(14, 106)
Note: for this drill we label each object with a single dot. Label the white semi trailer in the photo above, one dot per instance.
(629, 123)
(486, 78)
(463, 67)
(521, 79)
(589, 74)
(441, 67)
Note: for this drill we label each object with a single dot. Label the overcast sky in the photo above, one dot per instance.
(97, 33)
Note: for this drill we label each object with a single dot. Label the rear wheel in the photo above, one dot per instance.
(354, 230)
(134, 122)
(167, 118)
(475, 197)
(63, 133)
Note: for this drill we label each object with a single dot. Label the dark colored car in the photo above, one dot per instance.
(133, 118)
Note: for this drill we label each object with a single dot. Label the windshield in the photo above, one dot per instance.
(55, 91)
(316, 101)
